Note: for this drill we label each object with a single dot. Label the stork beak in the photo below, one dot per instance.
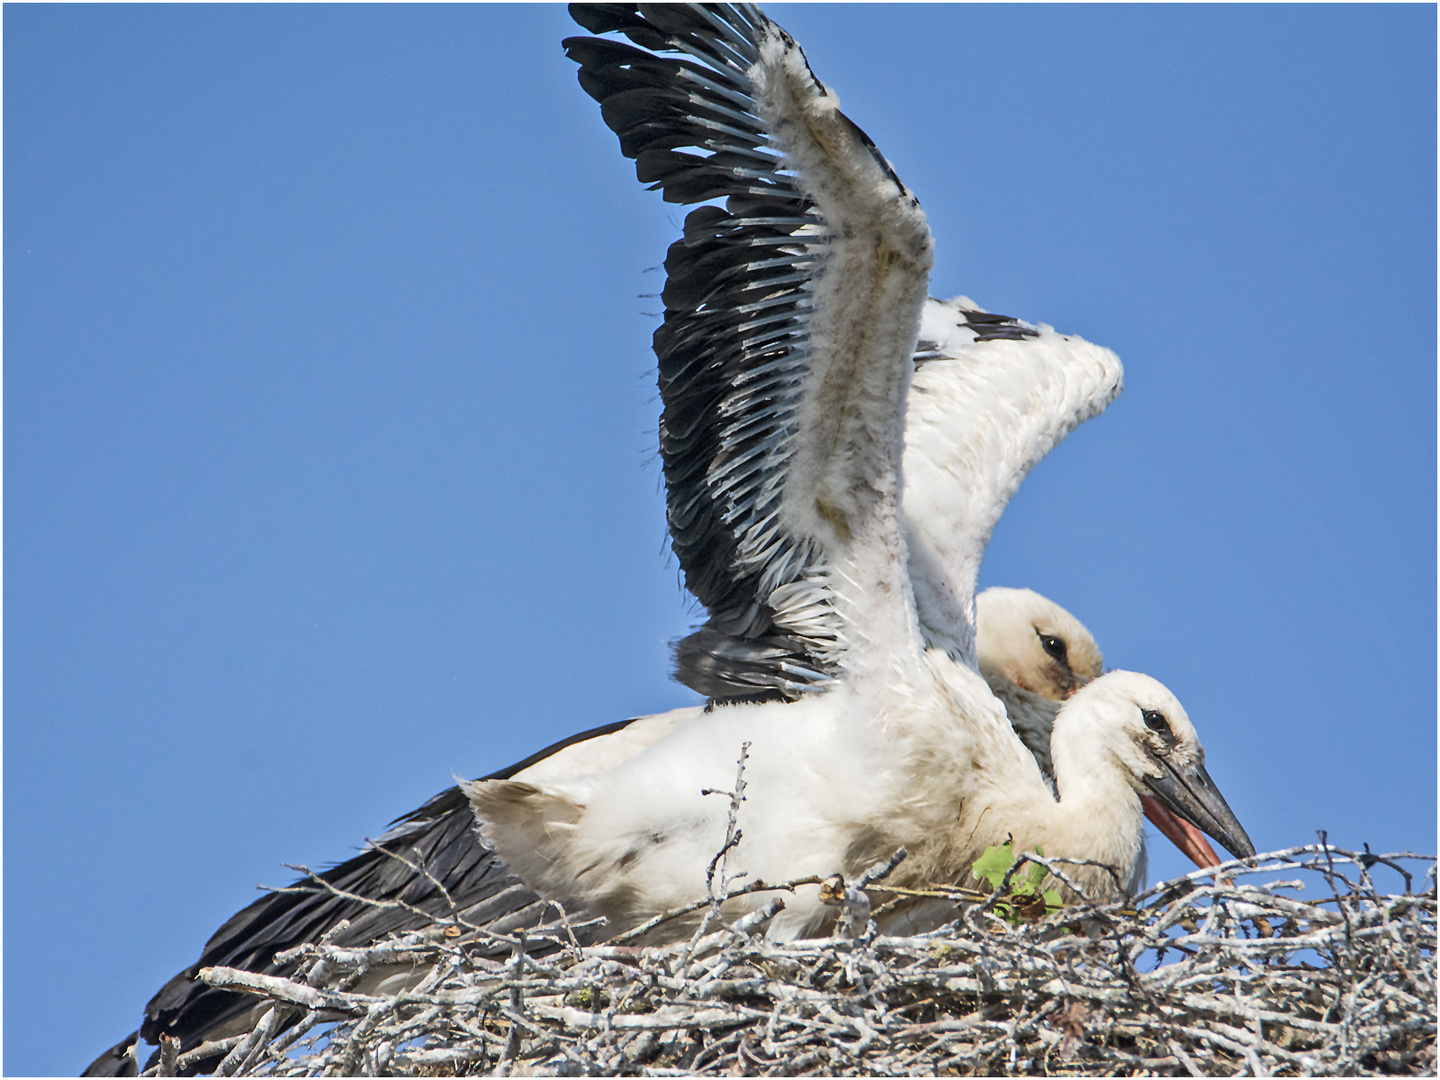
(1181, 833)
(1189, 793)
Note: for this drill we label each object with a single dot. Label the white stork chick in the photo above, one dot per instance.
(1101, 741)
(1033, 655)
(827, 793)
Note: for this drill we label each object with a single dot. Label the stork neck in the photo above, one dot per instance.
(1098, 814)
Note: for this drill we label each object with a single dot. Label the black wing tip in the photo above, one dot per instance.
(606, 18)
(990, 326)
(731, 670)
(119, 1060)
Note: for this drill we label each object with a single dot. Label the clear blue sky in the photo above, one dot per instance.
(329, 418)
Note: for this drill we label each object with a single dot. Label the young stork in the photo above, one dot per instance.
(1033, 654)
(793, 314)
(799, 359)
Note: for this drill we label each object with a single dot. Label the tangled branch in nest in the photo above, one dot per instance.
(1195, 977)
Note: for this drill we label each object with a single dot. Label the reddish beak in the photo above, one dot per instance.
(1181, 833)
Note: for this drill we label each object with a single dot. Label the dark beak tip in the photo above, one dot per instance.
(1197, 799)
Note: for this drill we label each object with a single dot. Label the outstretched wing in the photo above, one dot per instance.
(791, 311)
(991, 396)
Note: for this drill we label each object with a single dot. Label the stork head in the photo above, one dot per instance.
(1034, 643)
(1131, 724)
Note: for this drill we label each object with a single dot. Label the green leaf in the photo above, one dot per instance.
(1036, 874)
(995, 864)
(1024, 891)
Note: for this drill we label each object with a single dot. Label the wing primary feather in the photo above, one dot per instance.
(737, 364)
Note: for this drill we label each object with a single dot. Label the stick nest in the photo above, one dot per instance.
(1198, 976)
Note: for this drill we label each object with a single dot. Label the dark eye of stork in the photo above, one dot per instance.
(1053, 645)
(1156, 722)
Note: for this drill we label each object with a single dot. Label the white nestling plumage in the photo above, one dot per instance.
(841, 638)
(828, 792)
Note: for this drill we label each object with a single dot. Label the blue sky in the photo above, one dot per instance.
(329, 418)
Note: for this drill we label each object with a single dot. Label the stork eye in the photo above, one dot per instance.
(1053, 645)
(1156, 722)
